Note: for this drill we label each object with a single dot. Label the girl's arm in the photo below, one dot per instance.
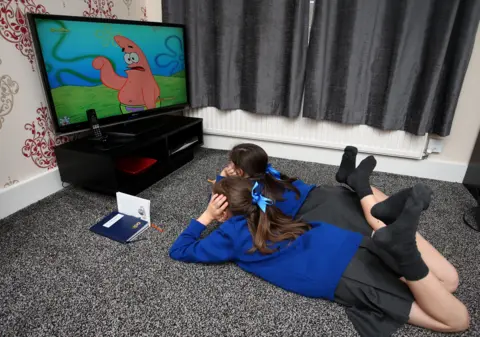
(217, 247)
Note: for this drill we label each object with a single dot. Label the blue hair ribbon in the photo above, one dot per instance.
(272, 171)
(259, 199)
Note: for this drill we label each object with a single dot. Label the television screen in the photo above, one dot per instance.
(122, 69)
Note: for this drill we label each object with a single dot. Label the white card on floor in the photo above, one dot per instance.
(110, 222)
(134, 206)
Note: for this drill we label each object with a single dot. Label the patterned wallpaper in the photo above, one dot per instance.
(26, 132)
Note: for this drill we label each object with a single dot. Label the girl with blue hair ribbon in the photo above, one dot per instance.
(345, 207)
(333, 204)
(316, 259)
(336, 205)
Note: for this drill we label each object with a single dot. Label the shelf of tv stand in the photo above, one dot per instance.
(92, 165)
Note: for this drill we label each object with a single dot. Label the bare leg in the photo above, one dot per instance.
(438, 265)
(436, 262)
(436, 308)
(437, 304)
(379, 195)
(367, 203)
(420, 318)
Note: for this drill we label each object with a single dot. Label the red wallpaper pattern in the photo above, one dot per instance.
(13, 24)
(42, 141)
(99, 9)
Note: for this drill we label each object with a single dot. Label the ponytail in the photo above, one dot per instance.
(271, 227)
(253, 160)
(266, 223)
(277, 187)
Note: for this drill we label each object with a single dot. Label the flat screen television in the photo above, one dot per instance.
(125, 70)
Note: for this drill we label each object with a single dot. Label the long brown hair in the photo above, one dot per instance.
(253, 160)
(271, 226)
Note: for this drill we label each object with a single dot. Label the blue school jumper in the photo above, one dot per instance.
(291, 204)
(310, 265)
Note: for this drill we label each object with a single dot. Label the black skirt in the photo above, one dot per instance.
(378, 303)
(335, 205)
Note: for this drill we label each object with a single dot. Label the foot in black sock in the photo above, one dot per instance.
(359, 179)
(347, 166)
(398, 239)
(389, 210)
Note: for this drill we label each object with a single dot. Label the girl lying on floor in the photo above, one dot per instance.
(316, 259)
(345, 208)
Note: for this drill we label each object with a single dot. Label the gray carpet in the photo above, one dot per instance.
(59, 279)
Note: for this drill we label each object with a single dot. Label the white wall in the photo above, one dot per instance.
(466, 124)
(154, 10)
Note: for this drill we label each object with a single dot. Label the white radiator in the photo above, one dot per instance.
(303, 131)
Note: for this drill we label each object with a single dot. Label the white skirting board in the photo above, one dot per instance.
(428, 168)
(27, 192)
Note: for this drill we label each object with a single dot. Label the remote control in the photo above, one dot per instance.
(93, 121)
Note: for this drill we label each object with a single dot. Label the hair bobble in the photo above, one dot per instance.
(270, 170)
(259, 199)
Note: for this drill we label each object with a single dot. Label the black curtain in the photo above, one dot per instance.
(394, 65)
(245, 54)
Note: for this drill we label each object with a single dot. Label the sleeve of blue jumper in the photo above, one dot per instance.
(215, 248)
(219, 177)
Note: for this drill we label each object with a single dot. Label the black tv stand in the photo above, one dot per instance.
(94, 164)
(138, 128)
(110, 141)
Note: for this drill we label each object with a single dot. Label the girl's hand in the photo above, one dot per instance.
(229, 171)
(217, 206)
(216, 210)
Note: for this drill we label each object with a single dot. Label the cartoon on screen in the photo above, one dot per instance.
(138, 90)
(115, 69)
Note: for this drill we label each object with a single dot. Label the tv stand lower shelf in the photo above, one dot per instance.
(96, 167)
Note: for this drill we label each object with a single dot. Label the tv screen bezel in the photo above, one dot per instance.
(70, 128)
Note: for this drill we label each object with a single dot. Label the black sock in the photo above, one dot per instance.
(389, 210)
(398, 239)
(347, 166)
(359, 179)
